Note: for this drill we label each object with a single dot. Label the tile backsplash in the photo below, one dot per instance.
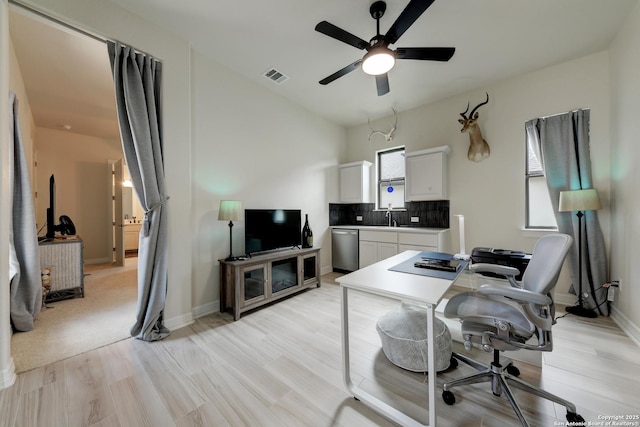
(433, 214)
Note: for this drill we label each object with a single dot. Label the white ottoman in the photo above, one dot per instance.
(403, 333)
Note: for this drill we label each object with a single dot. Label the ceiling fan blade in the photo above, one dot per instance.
(409, 15)
(382, 84)
(337, 33)
(426, 53)
(346, 70)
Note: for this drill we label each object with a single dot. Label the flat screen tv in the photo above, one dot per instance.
(51, 210)
(269, 229)
(66, 226)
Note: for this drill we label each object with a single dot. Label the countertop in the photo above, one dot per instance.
(399, 229)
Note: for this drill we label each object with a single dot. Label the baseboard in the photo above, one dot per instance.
(206, 309)
(179, 321)
(187, 319)
(627, 326)
(8, 375)
(565, 299)
(97, 260)
(325, 270)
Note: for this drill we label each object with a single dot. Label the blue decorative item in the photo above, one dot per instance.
(389, 189)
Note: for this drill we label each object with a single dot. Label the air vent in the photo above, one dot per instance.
(276, 76)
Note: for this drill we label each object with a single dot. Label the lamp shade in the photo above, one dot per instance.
(579, 200)
(230, 210)
(378, 61)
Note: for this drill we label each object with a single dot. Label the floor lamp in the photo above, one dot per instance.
(580, 200)
(230, 210)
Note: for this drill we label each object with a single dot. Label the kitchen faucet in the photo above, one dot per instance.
(388, 215)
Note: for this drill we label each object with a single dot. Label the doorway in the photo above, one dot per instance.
(64, 84)
(127, 213)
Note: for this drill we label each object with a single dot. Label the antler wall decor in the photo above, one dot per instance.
(388, 136)
(478, 147)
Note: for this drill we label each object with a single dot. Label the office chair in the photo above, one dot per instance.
(501, 318)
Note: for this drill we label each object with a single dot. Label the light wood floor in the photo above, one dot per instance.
(281, 366)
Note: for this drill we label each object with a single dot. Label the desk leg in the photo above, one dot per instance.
(372, 401)
(346, 363)
(431, 364)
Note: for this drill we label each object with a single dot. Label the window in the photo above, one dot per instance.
(391, 175)
(539, 211)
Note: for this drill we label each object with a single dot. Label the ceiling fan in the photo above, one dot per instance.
(379, 59)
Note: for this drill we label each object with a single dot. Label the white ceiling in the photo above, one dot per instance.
(494, 40)
(67, 76)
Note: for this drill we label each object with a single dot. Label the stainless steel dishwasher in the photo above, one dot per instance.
(344, 249)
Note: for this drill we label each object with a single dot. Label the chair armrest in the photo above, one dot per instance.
(494, 268)
(509, 273)
(517, 294)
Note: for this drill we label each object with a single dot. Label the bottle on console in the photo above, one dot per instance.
(307, 234)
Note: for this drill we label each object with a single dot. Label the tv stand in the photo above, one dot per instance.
(261, 279)
(64, 257)
(268, 252)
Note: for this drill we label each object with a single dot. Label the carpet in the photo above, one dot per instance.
(71, 327)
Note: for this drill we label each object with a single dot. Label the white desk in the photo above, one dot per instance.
(412, 288)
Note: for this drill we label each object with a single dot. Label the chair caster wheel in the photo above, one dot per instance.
(453, 363)
(513, 370)
(572, 417)
(449, 398)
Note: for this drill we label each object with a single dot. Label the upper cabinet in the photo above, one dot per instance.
(426, 174)
(355, 182)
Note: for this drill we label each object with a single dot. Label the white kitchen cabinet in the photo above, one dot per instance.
(376, 246)
(355, 182)
(372, 252)
(426, 174)
(368, 253)
(420, 242)
(382, 243)
(387, 250)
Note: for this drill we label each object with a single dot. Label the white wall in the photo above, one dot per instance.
(27, 124)
(625, 175)
(257, 147)
(491, 194)
(82, 173)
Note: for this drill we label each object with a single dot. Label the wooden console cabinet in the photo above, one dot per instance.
(249, 283)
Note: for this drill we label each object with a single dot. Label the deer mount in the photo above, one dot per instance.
(478, 147)
(388, 136)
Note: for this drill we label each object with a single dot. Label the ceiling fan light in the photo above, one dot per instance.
(378, 61)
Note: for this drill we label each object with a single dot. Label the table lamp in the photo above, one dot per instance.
(580, 200)
(462, 254)
(230, 210)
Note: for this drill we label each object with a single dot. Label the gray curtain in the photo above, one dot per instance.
(562, 143)
(137, 79)
(24, 259)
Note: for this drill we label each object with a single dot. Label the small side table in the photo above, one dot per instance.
(64, 257)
